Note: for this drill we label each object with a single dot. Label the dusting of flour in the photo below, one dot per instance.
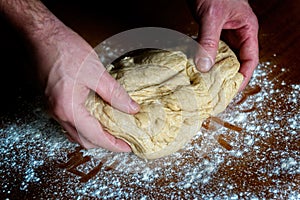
(259, 160)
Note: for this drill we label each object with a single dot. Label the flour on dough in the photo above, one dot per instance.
(174, 98)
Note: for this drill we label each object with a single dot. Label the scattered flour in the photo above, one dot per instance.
(261, 160)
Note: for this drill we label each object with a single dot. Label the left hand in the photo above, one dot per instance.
(239, 27)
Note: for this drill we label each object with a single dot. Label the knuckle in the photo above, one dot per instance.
(250, 18)
(59, 111)
(209, 43)
(117, 91)
(210, 10)
(213, 12)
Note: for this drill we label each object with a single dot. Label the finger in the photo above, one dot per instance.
(113, 93)
(94, 75)
(92, 135)
(248, 53)
(73, 135)
(249, 61)
(208, 38)
(70, 132)
(244, 37)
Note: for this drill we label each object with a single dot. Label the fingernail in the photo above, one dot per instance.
(134, 106)
(204, 64)
(126, 148)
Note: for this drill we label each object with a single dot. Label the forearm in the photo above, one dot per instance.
(31, 18)
(40, 28)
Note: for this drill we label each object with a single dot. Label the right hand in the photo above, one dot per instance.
(70, 68)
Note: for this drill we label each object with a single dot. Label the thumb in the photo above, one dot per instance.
(208, 38)
(94, 75)
(113, 93)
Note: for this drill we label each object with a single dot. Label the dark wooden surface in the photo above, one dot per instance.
(279, 32)
(278, 37)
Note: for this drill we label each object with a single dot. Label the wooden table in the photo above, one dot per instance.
(279, 46)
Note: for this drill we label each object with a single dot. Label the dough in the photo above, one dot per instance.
(174, 98)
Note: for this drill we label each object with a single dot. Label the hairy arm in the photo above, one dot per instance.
(68, 68)
(38, 26)
(31, 17)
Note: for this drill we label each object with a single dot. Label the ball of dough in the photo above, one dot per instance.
(174, 97)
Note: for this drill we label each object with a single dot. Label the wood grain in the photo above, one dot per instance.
(279, 44)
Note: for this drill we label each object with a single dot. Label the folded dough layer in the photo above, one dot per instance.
(174, 98)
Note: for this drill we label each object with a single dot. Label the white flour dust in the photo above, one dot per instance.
(252, 153)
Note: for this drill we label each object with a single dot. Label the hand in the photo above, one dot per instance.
(70, 69)
(239, 28)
